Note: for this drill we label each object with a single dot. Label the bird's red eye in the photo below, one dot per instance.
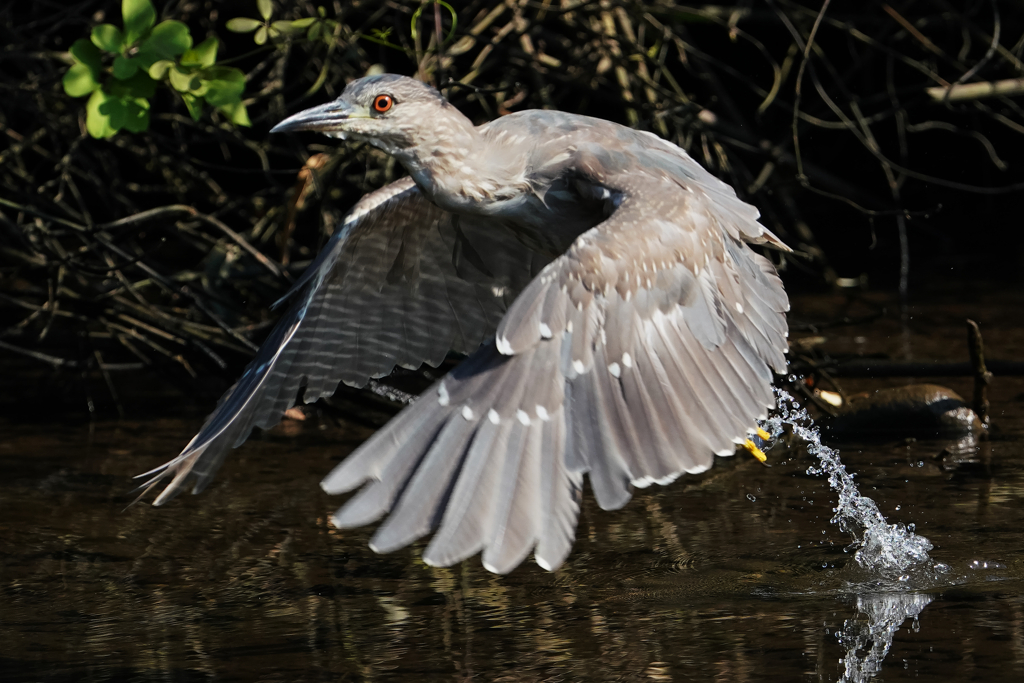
(382, 103)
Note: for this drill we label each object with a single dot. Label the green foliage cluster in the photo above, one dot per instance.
(144, 54)
(324, 29)
(316, 28)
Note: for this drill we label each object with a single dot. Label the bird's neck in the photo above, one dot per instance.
(456, 168)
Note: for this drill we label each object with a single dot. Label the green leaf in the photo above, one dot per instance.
(243, 24)
(314, 31)
(80, 80)
(147, 58)
(137, 114)
(300, 24)
(225, 84)
(118, 89)
(168, 39)
(204, 54)
(139, 85)
(194, 104)
(124, 68)
(97, 122)
(88, 54)
(185, 81)
(107, 37)
(139, 16)
(265, 9)
(284, 26)
(158, 71)
(261, 35)
(236, 113)
(115, 109)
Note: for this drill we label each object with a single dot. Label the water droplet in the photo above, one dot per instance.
(751, 497)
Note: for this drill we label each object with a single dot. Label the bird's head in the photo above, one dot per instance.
(388, 111)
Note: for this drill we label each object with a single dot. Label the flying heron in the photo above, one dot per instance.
(616, 322)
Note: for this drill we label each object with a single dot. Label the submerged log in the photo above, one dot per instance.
(924, 411)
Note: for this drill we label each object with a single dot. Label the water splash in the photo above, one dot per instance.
(890, 549)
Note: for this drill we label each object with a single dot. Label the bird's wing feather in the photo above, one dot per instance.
(635, 357)
(402, 282)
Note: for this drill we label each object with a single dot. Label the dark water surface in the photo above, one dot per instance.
(735, 575)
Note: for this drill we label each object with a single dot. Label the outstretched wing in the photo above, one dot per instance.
(402, 282)
(634, 357)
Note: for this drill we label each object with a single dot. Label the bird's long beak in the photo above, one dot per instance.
(327, 118)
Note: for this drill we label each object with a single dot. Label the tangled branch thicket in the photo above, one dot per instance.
(844, 122)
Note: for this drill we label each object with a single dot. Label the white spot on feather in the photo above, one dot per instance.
(615, 370)
(503, 346)
(467, 412)
(442, 394)
(493, 417)
(627, 360)
(739, 308)
(545, 331)
(577, 366)
(523, 417)
(542, 413)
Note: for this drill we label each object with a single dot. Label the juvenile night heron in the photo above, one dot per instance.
(616, 323)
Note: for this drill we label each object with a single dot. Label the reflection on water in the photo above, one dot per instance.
(880, 615)
(734, 575)
(690, 582)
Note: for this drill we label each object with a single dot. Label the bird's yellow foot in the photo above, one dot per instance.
(754, 450)
(753, 447)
